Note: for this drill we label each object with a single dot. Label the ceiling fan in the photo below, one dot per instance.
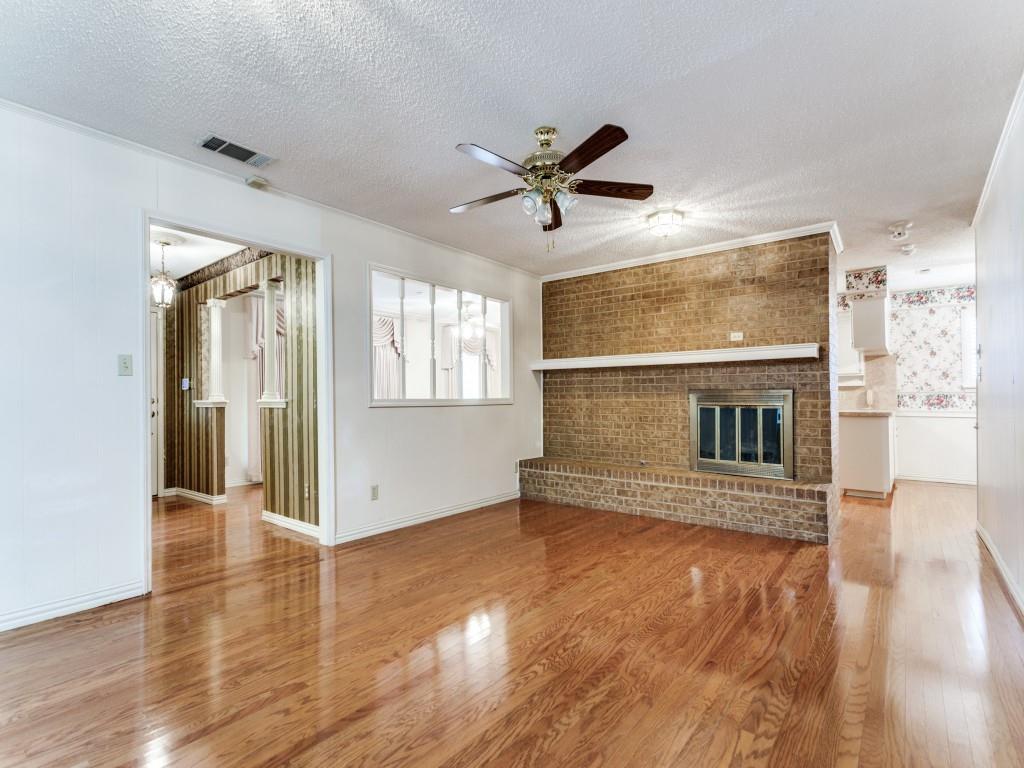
(551, 188)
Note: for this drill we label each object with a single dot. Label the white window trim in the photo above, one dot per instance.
(435, 402)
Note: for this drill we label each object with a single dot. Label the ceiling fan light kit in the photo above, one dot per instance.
(532, 201)
(549, 175)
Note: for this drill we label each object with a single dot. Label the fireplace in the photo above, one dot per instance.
(742, 432)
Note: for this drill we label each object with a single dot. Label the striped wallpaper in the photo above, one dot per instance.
(195, 436)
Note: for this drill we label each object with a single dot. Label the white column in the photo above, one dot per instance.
(216, 350)
(215, 382)
(271, 397)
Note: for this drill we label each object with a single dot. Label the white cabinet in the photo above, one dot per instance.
(851, 359)
(867, 453)
(870, 321)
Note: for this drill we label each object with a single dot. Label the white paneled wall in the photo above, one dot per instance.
(999, 233)
(73, 441)
(936, 446)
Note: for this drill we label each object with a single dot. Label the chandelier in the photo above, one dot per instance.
(162, 284)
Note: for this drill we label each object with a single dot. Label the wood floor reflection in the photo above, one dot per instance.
(535, 634)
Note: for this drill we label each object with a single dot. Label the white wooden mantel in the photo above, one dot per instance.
(692, 357)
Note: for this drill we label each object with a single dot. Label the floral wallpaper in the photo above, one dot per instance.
(925, 328)
(961, 294)
(870, 279)
(846, 298)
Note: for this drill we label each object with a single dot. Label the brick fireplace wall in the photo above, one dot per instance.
(775, 293)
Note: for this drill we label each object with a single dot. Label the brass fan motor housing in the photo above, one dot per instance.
(545, 157)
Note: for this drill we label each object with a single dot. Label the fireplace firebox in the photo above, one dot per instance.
(742, 432)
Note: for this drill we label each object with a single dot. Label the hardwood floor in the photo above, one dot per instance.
(534, 634)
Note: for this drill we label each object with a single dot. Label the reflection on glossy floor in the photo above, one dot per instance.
(532, 634)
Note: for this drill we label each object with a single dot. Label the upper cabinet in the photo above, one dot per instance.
(851, 359)
(870, 320)
(867, 300)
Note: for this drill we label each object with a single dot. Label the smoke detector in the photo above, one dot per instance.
(237, 151)
(900, 230)
(908, 249)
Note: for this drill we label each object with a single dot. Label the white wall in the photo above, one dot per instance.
(936, 446)
(999, 233)
(236, 390)
(71, 458)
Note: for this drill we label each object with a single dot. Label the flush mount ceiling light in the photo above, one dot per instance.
(551, 190)
(900, 230)
(665, 223)
(162, 284)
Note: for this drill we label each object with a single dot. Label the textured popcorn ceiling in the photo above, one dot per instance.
(751, 117)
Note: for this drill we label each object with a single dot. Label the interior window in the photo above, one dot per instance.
(432, 342)
(496, 323)
(471, 332)
(386, 334)
(416, 353)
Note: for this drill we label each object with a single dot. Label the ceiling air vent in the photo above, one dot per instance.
(238, 152)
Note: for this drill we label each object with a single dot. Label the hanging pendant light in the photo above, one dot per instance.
(162, 284)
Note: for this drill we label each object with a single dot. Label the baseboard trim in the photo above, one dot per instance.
(307, 529)
(83, 602)
(1012, 589)
(194, 495)
(920, 479)
(242, 483)
(422, 517)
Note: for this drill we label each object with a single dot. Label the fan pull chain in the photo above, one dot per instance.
(550, 243)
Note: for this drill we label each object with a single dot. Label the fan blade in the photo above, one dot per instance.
(614, 189)
(604, 139)
(486, 156)
(484, 201)
(556, 218)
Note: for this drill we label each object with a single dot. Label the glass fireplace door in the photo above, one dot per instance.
(742, 432)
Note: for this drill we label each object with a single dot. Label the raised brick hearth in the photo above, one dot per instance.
(783, 508)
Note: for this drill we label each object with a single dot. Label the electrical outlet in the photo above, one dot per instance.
(735, 335)
(124, 365)
(374, 492)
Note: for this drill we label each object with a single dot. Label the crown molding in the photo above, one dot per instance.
(1016, 108)
(829, 227)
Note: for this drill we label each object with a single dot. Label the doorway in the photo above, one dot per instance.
(246, 404)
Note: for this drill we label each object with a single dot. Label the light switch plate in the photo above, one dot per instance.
(735, 335)
(124, 365)
(184, 385)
